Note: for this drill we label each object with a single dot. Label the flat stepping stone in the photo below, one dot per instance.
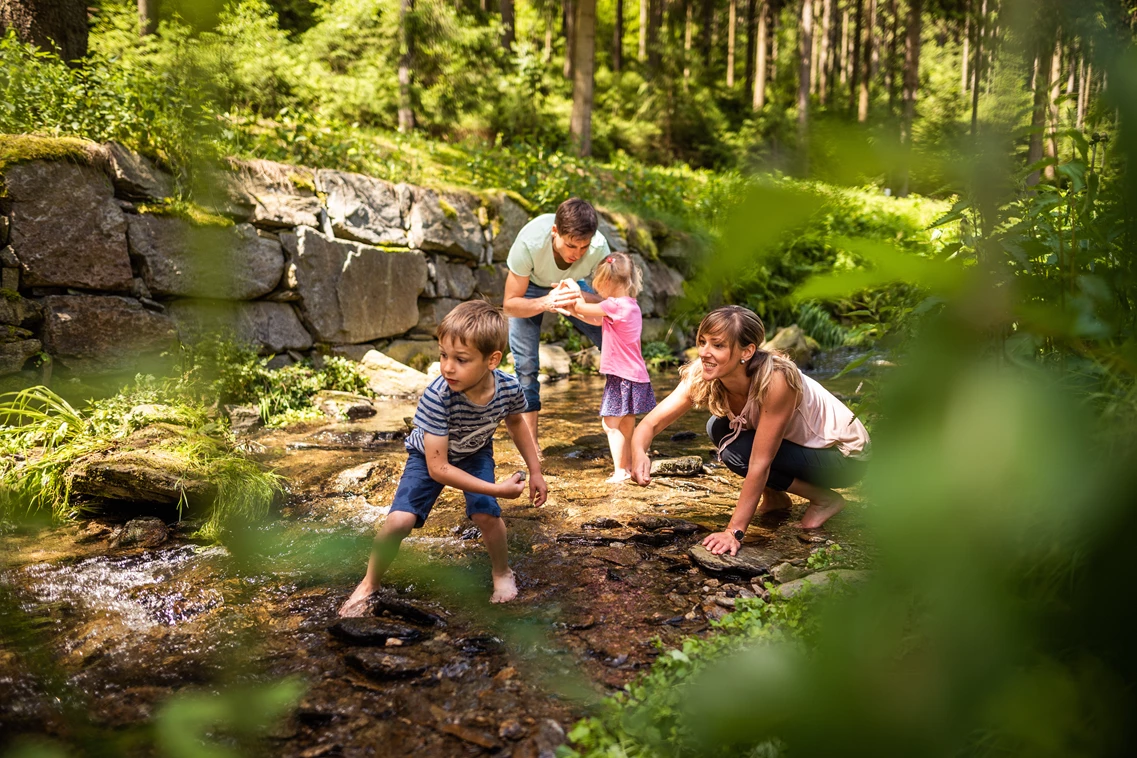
(688, 465)
(652, 539)
(407, 612)
(750, 561)
(372, 631)
(621, 556)
(821, 580)
(664, 524)
(594, 538)
(385, 666)
(602, 523)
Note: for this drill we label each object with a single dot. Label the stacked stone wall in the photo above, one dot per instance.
(99, 272)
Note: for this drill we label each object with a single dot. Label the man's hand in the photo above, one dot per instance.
(512, 487)
(722, 542)
(538, 490)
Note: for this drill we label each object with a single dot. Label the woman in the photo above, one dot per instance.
(773, 425)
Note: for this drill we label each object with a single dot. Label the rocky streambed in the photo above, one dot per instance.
(116, 619)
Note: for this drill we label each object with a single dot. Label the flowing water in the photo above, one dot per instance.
(107, 635)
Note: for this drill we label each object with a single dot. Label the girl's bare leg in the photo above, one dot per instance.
(823, 503)
(395, 529)
(619, 432)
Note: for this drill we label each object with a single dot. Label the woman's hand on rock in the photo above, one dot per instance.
(641, 469)
(722, 542)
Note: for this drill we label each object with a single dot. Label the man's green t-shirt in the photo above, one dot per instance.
(532, 254)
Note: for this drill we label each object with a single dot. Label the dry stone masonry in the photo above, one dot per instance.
(101, 271)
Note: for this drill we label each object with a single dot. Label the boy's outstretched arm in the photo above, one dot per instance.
(441, 471)
(538, 489)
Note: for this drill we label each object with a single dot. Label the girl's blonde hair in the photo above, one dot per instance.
(739, 327)
(620, 270)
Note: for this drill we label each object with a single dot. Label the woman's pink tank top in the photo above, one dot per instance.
(821, 420)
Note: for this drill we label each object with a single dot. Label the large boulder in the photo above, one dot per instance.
(508, 216)
(791, 341)
(362, 208)
(179, 259)
(448, 279)
(91, 333)
(666, 285)
(555, 361)
(448, 223)
(680, 251)
(16, 310)
(144, 475)
(389, 378)
(350, 292)
(272, 327)
(66, 226)
(14, 352)
(490, 282)
(273, 195)
(646, 297)
(611, 231)
(135, 177)
(431, 313)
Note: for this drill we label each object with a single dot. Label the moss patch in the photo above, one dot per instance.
(21, 148)
(10, 295)
(303, 182)
(448, 210)
(186, 211)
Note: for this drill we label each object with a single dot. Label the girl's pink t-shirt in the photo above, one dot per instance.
(621, 355)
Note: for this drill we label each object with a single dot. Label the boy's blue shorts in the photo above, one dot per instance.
(417, 492)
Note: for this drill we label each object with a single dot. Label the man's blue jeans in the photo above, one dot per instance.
(525, 343)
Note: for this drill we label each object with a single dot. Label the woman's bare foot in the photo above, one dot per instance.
(821, 510)
(621, 475)
(774, 500)
(358, 603)
(504, 588)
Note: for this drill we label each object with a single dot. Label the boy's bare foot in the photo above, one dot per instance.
(773, 500)
(620, 476)
(820, 511)
(359, 602)
(504, 588)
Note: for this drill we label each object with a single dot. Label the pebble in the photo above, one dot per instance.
(384, 666)
(511, 729)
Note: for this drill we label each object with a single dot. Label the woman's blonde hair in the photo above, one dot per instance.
(739, 327)
(620, 270)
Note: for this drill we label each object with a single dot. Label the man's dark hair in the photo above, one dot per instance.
(576, 219)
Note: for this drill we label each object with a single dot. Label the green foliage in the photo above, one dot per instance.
(658, 355)
(824, 557)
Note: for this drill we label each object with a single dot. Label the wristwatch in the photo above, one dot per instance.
(738, 534)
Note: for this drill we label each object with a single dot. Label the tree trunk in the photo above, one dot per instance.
(59, 26)
(844, 77)
(618, 38)
(644, 6)
(806, 53)
(977, 67)
(705, 31)
(966, 48)
(760, 66)
(147, 17)
(547, 56)
(751, 32)
(893, 54)
(867, 68)
(1037, 114)
(584, 48)
(1084, 92)
(731, 30)
(911, 84)
(823, 55)
(406, 73)
(858, 32)
(1053, 88)
(507, 24)
(687, 42)
(569, 25)
(655, 23)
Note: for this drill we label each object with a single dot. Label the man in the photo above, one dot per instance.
(549, 264)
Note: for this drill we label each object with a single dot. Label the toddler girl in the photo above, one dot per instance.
(627, 390)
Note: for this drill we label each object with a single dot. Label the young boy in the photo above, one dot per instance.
(452, 444)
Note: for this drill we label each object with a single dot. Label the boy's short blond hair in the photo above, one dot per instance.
(476, 324)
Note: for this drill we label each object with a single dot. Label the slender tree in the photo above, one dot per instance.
(893, 53)
(867, 67)
(977, 66)
(1084, 91)
(406, 72)
(911, 84)
(966, 48)
(844, 62)
(56, 25)
(508, 20)
(824, 55)
(645, 6)
(751, 32)
(655, 24)
(584, 49)
(1053, 88)
(706, 30)
(806, 55)
(687, 26)
(760, 68)
(858, 32)
(618, 38)
(147, 17)
(732, 24)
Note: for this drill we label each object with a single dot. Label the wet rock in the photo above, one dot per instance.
(787, 572)
(662, 523)
(385, 666)
(602, 523)
(585, 539)
(468, 734)
(372, 631)
(821, 580)
(621, 556)
(14, 354)
(688, 465)
(89, 333)
(141, 532)
(792, 341)
(686, 436)
(479, 645)
(555, 361)
(349, 479)
(344, 406)
(406, 611)
(140, 476)
(66, 226)
(651, 539)
(750, 561)
(511, 729)
(389, 378)
(362, 439)
(713, 611)
(243, 418)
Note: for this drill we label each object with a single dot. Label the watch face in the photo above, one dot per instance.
(738, 534)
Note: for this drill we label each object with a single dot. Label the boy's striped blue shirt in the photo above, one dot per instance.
(469, 426)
